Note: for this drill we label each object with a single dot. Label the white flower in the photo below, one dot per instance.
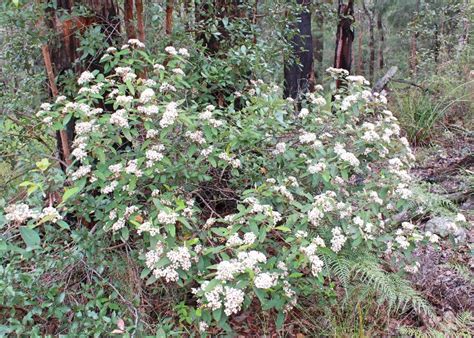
(307, 137)
(158, 67)
(338, 239)
(203, 326)
(316, 168)
(265, 280)
(136, 43)
(146, 95)
(170, 115)
(303, 113)
(233, 300)
(111, 50)
(171, 50)
(166, 87)
(184, 52)
(81, 172)
(167, 218)
(178, 71)
(85, 77)
(151, 133)
(19, 213)
(460, 218)
(280, 148)
(119, 118)
(123, 100)
(249, 238)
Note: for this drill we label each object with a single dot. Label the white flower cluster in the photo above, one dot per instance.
(85, 77)
(338, 239)
(119, 118)
(228, 269)
(19, 213)
(170, 115)
(234, 162)
(207, 116)
(154, 154)
(345, 155)
(310, 252)
(229, 297)
(265, 280)
(235, 240)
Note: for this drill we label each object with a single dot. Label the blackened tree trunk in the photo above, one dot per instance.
(381, 40)
(370, 18)
(344, 36)
(298, 70)
(66, 41)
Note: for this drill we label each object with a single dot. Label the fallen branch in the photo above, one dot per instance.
(382, 82)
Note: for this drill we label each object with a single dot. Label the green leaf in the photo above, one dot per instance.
(30, 237)
(69, 193)
(283, 228)
(280, 320)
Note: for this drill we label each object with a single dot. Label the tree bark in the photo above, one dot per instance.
(381, 40)
(140, 20)
(344, 37)
(370, 18)
(298, 70)
(60, 54)
(318, 44)
(360, 57)
(169, 17)
(128, 19)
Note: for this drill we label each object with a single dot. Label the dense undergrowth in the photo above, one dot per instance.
(179, 217)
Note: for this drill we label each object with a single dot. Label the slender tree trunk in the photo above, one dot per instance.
(128, 19)
(169, 17)
(381, 40)
(413, 43)
(298, 71)
(360, 57)
(464, 36)
(344, 37)
(370, 18)
(140, 21)
(318, 44)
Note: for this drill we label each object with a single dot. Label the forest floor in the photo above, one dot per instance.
(445, 277)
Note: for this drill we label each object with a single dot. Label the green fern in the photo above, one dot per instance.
(363, 272)
(462, 326)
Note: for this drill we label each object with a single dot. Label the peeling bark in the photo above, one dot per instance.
(360, 57)
(344, 37)
(298, 71)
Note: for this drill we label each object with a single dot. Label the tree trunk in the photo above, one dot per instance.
(169, 17)
(140, 21)
(128, 19)
(61, 53)
(298, 71)
(413, 43)
(318, 44)
(381, 40)
(344, 37)
(360, 57)
(370, 18)
(464, 36)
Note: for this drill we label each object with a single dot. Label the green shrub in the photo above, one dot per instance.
(236, 207)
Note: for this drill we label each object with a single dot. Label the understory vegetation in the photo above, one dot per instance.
(174, 168)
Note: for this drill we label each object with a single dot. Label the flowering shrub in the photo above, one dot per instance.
(234, 205)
